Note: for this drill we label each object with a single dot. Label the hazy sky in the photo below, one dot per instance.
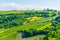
(29, 4)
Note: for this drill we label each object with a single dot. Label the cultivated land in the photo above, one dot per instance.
(30, 23)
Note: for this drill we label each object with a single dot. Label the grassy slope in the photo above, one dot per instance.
(23, 27)
(41, 25)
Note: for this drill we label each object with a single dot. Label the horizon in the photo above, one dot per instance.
(29, 4)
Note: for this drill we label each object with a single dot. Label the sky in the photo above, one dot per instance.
(29, 4)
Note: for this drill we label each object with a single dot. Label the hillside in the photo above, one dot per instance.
(30, 22)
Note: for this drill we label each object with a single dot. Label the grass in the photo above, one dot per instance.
(23, 27)
(41, 25)
(10, 33)
(48, 24)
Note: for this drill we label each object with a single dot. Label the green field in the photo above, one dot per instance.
(28, 20)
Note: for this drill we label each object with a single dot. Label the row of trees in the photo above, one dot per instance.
(32, 32)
